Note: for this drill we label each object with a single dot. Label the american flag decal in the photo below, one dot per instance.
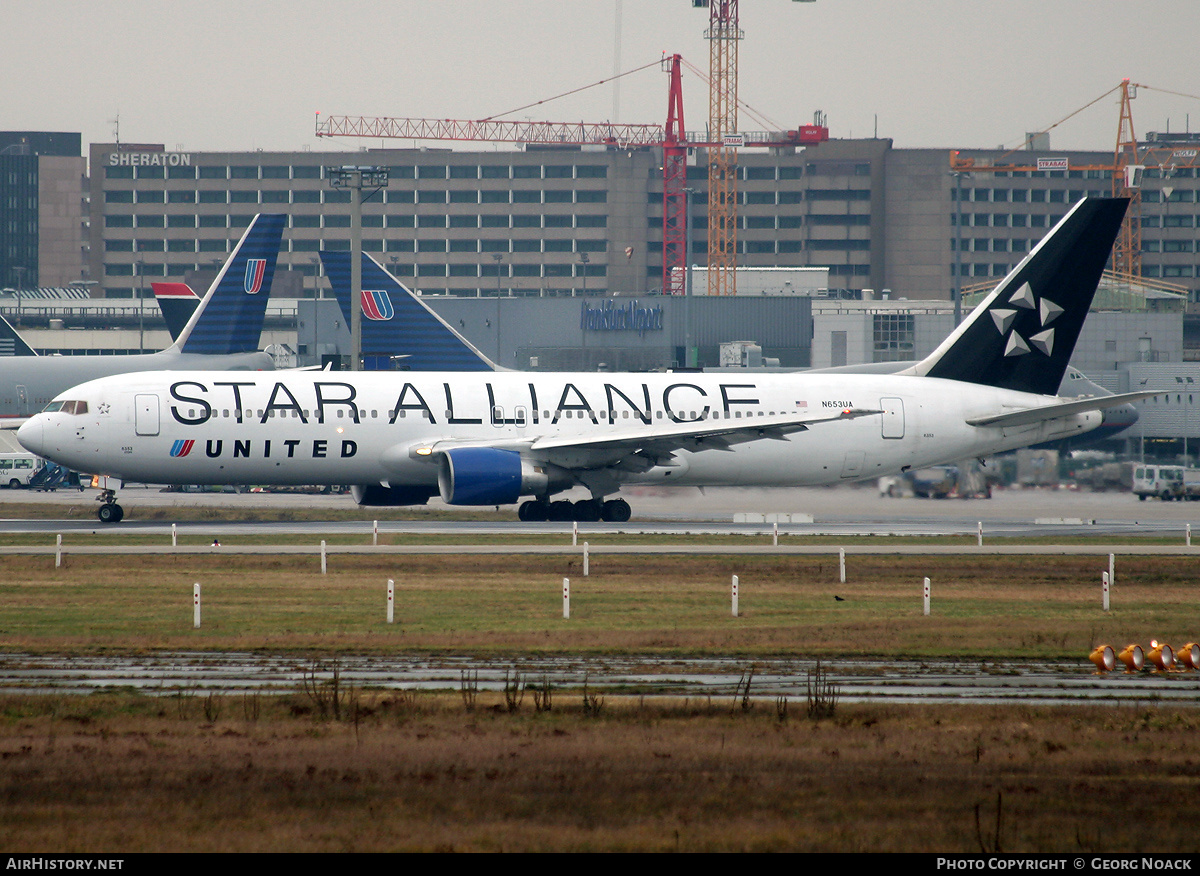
(377, 305)
(182, 447)
(255, 269)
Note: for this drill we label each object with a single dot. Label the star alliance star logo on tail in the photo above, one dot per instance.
(255, 269)
(1048, 311)
(377, 305)
(182, 447)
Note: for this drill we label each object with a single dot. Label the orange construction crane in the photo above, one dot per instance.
(1129, 159)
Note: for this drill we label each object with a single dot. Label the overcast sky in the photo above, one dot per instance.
(225, 75)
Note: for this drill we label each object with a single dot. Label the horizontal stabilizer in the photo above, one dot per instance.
(1026, 416)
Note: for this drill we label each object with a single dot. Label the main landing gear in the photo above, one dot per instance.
(585, 510)
(109, 511)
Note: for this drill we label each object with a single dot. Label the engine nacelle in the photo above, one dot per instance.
(487, 476)
(371, 495)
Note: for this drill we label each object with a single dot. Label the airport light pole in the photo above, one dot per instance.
(583, 261)
(356, 179)
(958, 217)
(141, 266)
(19, 270)
(688, 360)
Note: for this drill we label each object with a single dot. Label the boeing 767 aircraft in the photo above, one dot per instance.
(491, 438)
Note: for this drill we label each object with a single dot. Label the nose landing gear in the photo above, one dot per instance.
(109, 511)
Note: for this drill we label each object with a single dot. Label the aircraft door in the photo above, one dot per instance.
(145, 407)
(893, 417)
(22, 401)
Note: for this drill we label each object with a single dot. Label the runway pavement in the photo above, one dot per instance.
(842, 511)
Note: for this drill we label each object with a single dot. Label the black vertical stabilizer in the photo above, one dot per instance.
(1022, 335)
(11, 342)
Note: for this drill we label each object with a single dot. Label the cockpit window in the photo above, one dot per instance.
(67, 407)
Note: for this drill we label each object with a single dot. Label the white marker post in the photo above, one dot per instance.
(926, 597)
(375, 536)
(391, 601)
(1188, 535)
(1104, 589)
(775, 535)
(735, 595)
(566, 598)
(585, 559)
(1112, 570)
(323, 566)
(58, 551)
(575, 535)
(979, 533)
(174, 536)
(196, 606)
(842, 565)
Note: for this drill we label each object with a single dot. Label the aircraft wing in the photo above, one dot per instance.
(1026, 416)
(650, 444)
(699, 435)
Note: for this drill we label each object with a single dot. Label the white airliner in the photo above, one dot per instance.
(491, 438)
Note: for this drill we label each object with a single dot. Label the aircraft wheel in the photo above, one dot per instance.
(615, 511)
(561, 510)
(109, 512)
(587, 510)
(532, 511)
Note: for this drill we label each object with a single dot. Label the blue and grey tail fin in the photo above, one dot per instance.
(177, 302)
(230, 316)
(399, 331)
(1022, 335)
(11, 342)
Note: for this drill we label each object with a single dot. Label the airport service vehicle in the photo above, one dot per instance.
(1166, 482)
(492, 438)
(17, 469)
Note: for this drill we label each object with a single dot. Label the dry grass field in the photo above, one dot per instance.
(129, 773)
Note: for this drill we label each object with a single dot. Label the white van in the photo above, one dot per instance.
(17, 468)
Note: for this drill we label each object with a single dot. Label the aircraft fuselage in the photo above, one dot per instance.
(380, 428)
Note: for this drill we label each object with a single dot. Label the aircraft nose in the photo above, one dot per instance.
(32, 436)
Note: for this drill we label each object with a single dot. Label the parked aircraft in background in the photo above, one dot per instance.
(222, 334)
(491, 438)
(399, 331)
(177, 302)
(11, 342)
